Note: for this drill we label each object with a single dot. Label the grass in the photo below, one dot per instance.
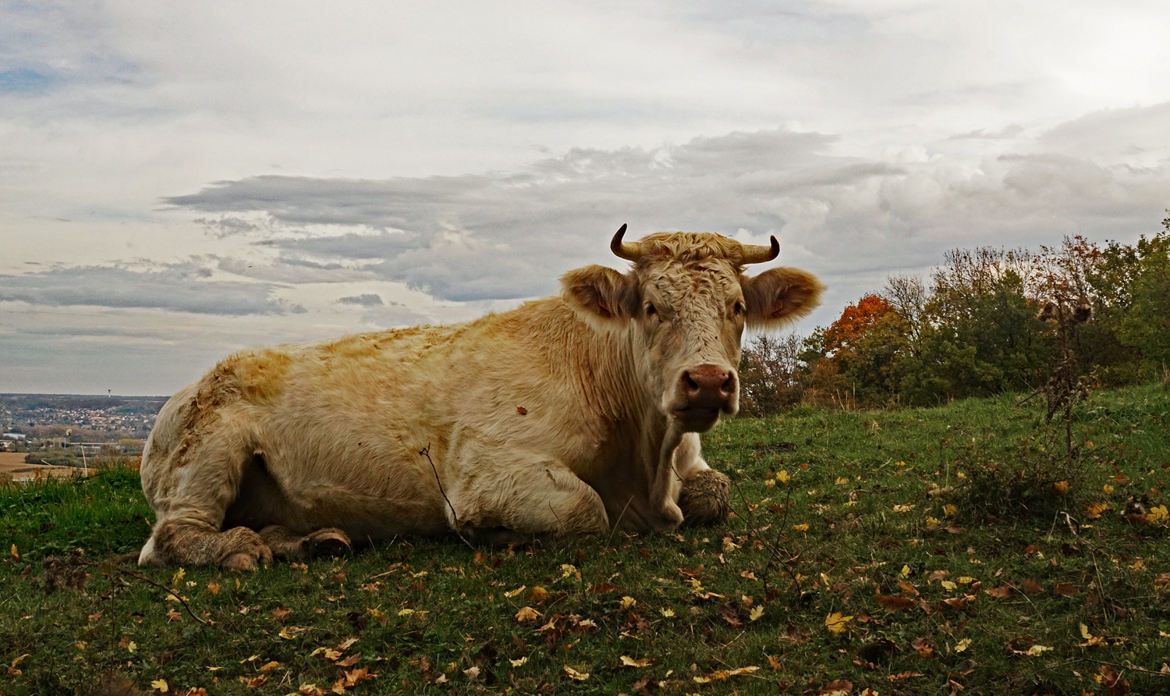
(865, 552)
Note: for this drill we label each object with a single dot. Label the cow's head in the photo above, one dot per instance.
(684, 306)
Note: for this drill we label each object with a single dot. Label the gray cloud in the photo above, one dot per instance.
(365, 300)
(510, 235)
(184, 287)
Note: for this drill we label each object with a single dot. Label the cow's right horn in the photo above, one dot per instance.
(630, 251)
(755, 253)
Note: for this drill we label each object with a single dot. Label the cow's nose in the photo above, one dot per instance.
(708, 386)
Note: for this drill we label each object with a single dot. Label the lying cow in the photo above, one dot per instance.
(572, 414)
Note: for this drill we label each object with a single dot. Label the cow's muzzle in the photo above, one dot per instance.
(703, 393)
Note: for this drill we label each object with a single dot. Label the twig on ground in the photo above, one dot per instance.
(426, 452)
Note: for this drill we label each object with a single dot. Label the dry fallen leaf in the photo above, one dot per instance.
(837, 623)
(574, 674)
(160, 685)
(527, 614)
(628, 661)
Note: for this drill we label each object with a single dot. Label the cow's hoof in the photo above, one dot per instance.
(239, 562)
(325, 542)
(248, 550)
(705, 497)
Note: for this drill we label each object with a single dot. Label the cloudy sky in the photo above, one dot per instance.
(180, 180)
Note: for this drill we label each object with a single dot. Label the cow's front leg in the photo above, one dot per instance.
(525, 498)
(705, 497)
(705, 494)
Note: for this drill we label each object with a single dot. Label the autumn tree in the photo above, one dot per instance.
(770, 374)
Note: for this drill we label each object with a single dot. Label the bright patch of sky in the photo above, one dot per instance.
(180, 180)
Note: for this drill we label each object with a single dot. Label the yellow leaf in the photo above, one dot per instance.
(179, 575)
(667, 612)
(574, 674)
(568, 569)
(903, 508)
(1037, 650)
(538, 593)
(132, 646)
(527, 614)
(213, 587)
(948, 585)
(14, 553)
(965, 579)
(931, 523)
(802, 527)
(842, 481)
(1085, 632)
(837, 623)
(756, 612)
(518, 590)
(628, 661)
(160, 685)
(962, 645)
(782, 476)
(1158, 513)
(628, 602)
(519, 662)
(949, 510)
(1107, 488)
(269, 666)
(905, 571)
(1061, 486)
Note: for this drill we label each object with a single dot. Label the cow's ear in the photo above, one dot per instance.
(780, 295)
(600, 295)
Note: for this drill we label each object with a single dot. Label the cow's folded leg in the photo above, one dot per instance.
(189, 542)
(705, 497)
(526, 501)
(286, 543)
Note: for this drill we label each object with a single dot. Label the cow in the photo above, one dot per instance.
(574, 414)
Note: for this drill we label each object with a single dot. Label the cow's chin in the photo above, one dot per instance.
(696, 419)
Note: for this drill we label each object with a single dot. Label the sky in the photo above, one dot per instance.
(182, 180)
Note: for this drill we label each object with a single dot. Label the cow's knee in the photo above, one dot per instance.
(705, 497)
(188, 542)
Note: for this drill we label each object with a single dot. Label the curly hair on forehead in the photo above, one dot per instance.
(688, 247)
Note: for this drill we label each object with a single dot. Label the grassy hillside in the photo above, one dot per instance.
(905, 552)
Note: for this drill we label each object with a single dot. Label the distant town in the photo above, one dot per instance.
(69, 430)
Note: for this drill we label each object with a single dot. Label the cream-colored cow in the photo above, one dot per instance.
(572, 414)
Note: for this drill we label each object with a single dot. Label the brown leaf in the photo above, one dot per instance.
(281, 612)
(1000, 592)
(1032, 587)
(923, 646)
(1066, 589)
(895, 602)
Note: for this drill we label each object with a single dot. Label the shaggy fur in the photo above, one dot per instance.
(572, 414)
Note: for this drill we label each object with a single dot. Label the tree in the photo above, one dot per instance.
(1146, 323)
(770, 375)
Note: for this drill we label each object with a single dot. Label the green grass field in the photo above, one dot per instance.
(922, 551)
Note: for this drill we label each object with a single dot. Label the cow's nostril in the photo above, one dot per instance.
(690, 382)
(728, 386)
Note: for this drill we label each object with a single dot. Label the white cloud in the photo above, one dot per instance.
(454, 157)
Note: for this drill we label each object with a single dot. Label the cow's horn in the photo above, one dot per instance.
(630, 251)
(754, 253)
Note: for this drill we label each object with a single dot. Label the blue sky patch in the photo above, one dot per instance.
(24, 81)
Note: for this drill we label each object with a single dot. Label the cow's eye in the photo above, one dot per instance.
(651, 310)
(739, 308)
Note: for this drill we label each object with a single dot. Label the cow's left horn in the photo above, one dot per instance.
(630, 251)
(754, 253)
